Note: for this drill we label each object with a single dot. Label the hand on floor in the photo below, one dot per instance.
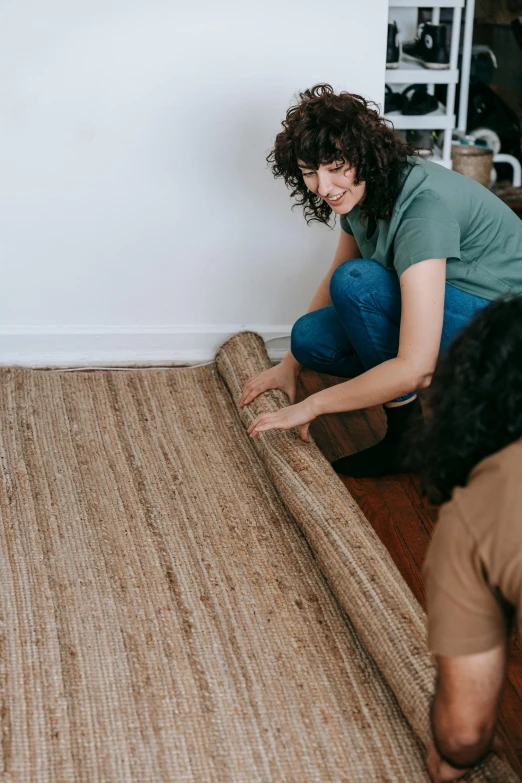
(440, 771)
(299, 415)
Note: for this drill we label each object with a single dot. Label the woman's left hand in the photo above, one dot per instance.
(299, 415)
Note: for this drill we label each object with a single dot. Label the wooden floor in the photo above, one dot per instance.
(404, 521)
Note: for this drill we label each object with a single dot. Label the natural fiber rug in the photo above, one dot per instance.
(182, 603)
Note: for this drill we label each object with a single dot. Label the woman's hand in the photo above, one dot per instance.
(299, 415)
(283, 376)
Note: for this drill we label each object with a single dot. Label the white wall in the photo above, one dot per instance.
(138, 217)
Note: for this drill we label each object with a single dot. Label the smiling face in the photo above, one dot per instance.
(335, 184)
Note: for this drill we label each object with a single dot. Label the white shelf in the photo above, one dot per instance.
(414, 73)
(436, 120)
(415, 4)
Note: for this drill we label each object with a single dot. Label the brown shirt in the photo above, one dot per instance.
(473, 568)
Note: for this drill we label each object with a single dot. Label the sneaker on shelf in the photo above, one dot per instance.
(392, 49)
(393, 101)
(417, 100)
(429, 48)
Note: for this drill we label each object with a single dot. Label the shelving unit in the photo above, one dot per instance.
(412, 73)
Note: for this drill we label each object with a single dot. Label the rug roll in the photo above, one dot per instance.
(357, 566)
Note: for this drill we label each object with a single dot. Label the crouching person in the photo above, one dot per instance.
(471, 457)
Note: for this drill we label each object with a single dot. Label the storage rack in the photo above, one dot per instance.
(412, 73)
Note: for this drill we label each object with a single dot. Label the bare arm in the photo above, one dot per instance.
(422, 295)
(347, 249)
(465, 706)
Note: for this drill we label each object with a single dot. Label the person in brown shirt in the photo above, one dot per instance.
(471, 456)
(473, 569)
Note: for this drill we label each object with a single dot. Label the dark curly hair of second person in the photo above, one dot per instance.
(474, 402)
(324, 127)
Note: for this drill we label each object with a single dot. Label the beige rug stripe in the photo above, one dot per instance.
(359, 569)
(148, 631)
(163, 617)
(93, 657)
(27, 609)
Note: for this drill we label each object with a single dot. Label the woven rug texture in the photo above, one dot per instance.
(179, 602)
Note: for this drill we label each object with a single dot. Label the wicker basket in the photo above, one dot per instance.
(473, 161)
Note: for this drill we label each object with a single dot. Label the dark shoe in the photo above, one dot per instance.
(390, 456)
(429, 48)
(392, 49)
(417, 100)
(393, 101)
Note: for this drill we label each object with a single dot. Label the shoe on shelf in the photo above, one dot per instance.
(393, 101)
(417, 100)
(429, 48)
(392, 49)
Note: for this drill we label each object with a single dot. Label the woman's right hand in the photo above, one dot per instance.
(283, 376)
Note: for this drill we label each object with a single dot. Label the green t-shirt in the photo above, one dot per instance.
(442, 214)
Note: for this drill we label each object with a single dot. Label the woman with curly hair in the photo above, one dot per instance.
(421, 249)
(470, 458)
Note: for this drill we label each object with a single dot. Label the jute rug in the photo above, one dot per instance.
(182, 603)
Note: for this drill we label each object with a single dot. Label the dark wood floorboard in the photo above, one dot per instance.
(404, 521)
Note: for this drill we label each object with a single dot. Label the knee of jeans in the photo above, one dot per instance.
(352, 279)
(302, 338)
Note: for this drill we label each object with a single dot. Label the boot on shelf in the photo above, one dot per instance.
(392, 49)
(429, 48)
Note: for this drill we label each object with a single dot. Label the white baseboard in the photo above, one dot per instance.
(81, 346)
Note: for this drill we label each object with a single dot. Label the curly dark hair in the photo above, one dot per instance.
(324, 127)
(474, 401)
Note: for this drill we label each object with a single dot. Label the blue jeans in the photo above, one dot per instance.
(360, 329)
